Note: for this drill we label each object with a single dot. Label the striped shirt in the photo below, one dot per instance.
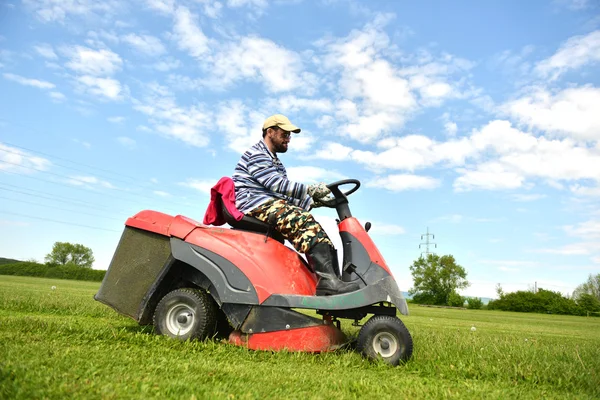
(260, 176)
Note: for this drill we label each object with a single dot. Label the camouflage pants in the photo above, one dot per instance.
(295, 224)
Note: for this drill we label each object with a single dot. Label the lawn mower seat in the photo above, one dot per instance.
(251, 224)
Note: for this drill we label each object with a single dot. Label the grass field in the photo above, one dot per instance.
(62, 344)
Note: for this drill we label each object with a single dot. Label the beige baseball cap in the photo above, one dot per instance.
(281, 121)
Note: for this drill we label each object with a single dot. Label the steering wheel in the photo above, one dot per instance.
(339, 196)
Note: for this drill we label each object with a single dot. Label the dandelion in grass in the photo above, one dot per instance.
(53, 288)
(473, 329)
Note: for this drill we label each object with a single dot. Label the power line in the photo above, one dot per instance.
(69, 161)
(60, 208)
(75, 169)
(427, 243)
(83, 182)
(59, 199)
(58, 222)
(76, 187)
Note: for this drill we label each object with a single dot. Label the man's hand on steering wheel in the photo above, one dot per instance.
(318, 190)
(328, 201)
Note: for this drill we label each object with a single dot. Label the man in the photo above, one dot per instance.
(263, 191)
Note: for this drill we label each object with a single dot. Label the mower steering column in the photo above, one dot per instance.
(341, 199)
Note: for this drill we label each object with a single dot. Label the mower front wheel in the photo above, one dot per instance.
(385, 337)
(186, 314)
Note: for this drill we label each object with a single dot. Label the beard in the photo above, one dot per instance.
(280, 147)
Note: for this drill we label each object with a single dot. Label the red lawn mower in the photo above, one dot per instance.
(194, 282)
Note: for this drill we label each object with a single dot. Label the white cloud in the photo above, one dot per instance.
(576, 52)
(511, 63)
(258, 59)
(381, 89)
(202, 185)
(240, 126)
(293, 104)
(333, 151)
(146, 44)
(126, 142)
(15, 160)
(574, 249)
(162, 6)
(452, 218)
(89, 181)
(106, 87)
(528, 197)
(310, 174)
(495, 157)
(188, 34)
(451, 128)
(488, 176)
(87, 61)
(241, 3)
(167, 64)
(570, 112)
(29, 82)
(380, 228)
(116, 120)
(161, 193)
(588, 229)
(190, 124)
(513, 156)
(400, 182)
(46, 51)
(84, 144)
(575, 5)
(97, 38)
(585, 190)
(511, 263)
(59, 10)
(413, 152)
(58, 96)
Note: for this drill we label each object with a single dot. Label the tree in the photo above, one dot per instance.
(588, 303)
(65, 253)
(592, 287)
(436, 278)
(474, 303)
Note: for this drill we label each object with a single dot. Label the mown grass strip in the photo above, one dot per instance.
(61, 343)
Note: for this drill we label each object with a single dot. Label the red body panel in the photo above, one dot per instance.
(163, 224)
(271, 267)
(313, 339)
(351, 225)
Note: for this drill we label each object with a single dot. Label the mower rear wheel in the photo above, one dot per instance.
(186, 314)
(386, 338)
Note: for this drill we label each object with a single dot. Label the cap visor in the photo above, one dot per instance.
(290, 128)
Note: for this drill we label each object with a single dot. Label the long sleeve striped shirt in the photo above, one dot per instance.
(260, 176)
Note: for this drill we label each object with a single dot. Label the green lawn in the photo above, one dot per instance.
(62, 344)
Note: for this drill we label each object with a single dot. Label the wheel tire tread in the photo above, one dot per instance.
(202, 300)
(369, 330)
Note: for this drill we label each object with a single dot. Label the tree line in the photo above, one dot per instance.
(437, 281)
(65, 261)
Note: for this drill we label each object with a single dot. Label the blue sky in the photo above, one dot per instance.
(479, 121)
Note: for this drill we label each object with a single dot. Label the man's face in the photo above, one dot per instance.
(280, 139)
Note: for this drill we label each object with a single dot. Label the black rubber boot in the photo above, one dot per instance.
(323, 259)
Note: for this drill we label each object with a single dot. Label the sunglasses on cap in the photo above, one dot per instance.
(283, 133)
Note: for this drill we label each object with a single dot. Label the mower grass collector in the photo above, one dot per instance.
(193, 282)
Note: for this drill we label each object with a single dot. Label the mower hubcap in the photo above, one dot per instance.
(180, 319)
(385, 344)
